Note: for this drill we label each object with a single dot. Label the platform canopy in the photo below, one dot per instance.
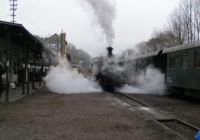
(18, 34)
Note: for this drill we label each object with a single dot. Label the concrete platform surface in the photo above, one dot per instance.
(48, 116)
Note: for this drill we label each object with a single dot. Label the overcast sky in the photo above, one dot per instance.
(135, 21)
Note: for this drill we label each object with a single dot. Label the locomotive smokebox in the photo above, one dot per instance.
(110, 49)
(109, 75)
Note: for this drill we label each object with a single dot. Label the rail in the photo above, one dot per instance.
(169, 122)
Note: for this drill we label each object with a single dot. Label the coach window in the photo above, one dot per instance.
(173, 61)
(197, 58)
(184, 60)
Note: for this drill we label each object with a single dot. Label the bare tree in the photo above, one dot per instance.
(176, 26)
(183, 27)
(161, 40)
(197, 18)
(185, 21)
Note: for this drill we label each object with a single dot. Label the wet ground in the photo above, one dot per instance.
(185, 108)
(48, 116)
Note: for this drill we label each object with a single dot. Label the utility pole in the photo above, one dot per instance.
(13, 8)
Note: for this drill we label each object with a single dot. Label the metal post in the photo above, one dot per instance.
(27, 70)
(28, 78)
(7, 67)
(34, 72)
(33, 76)
(39, 75)
(24, 71)
(23, 78)
(7, 80)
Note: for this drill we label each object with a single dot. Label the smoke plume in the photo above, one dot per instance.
(62, 79)
(105, 14)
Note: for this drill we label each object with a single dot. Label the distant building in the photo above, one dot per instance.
(48, 57)
(78, 58)
(53, 43)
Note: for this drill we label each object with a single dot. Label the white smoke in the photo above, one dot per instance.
(62, 79)
(105, 14)
(150, 81)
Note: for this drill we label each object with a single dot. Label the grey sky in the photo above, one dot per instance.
(135, 21)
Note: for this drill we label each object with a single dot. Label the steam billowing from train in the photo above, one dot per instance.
(112, 76)
(64, 80)
(105, 14)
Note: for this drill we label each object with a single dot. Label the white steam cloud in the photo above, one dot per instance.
(150, 81)
(105, 14)
(62, 79)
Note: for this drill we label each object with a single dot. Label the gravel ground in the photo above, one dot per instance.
(184, 108)
(48, 116)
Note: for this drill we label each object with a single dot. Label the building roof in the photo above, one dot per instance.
(52, 37)
(18, 34)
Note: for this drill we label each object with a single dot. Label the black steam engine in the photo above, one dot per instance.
(108, 73)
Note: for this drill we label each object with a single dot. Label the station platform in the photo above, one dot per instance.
(90, 116)
(15, 94)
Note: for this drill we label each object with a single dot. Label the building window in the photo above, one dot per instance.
(53, 46)
(197, 58)
(173, 60)
(184, 60)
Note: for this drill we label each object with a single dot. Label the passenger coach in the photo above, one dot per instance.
(180, 64)
(183, 67)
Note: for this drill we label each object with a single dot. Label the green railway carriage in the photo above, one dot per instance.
(183, 66)
(180, 64)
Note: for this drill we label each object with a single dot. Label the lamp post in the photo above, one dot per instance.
(13, 9)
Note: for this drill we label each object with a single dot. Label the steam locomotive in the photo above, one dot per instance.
(107, 72)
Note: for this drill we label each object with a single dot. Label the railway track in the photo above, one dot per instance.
(176, 125)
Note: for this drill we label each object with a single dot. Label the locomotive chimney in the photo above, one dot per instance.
(110, 49)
